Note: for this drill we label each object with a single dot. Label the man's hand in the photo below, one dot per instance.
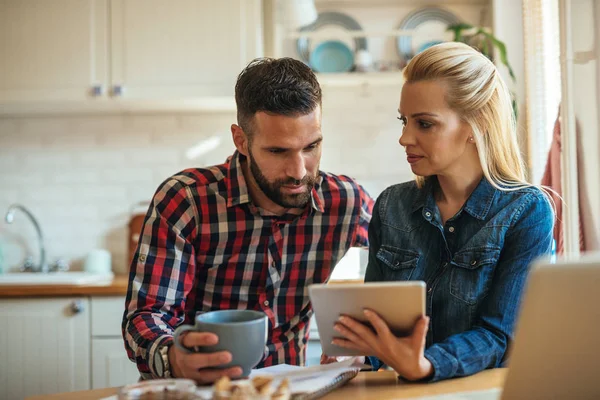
(197, 366)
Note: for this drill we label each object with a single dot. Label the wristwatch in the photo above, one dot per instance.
(162, 368)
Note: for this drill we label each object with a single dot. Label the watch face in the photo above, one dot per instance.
(158, 364)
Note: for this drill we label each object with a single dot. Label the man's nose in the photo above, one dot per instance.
(296, 167)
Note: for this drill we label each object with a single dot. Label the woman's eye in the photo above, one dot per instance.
(425, 124)
(403, 121)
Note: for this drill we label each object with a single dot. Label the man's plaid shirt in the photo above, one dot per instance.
(205, 246)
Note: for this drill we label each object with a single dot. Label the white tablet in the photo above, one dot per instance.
(400, 304)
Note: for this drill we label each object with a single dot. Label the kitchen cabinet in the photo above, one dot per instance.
(110, 365)
(107, 54)
(52, 49)
(187, 48)
(44, 346)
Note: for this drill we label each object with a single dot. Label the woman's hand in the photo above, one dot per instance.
(405, 355)
(325, 359)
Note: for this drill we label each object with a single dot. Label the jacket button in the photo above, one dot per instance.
(428, 214)
(473, 262)
(397, 263)
(451, 229)
(142, 258)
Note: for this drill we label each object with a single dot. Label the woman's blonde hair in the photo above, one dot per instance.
(477, 93)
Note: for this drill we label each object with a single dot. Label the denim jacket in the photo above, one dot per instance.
(475, 266)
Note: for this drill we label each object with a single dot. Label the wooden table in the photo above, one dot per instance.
(367, 385)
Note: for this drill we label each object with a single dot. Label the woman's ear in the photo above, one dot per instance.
(240, 139)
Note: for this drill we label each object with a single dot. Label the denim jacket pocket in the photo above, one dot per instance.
(472, 273)
(398, 264)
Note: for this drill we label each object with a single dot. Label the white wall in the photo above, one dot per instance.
(80, 175)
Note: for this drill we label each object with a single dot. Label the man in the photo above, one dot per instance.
(252, 233)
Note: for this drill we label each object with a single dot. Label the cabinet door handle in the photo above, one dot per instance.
(77, 306)
(97, 90)
(117, 90)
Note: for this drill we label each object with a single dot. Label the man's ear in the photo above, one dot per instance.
(239, 139)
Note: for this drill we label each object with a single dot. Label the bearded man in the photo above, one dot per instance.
(251, 233)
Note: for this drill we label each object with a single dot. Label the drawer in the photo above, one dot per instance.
(107, 315)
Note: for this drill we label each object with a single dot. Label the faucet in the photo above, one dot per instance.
(9, 218)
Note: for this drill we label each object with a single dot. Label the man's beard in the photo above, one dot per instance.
(273, 189)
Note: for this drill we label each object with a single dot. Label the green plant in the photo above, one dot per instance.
(485, 42)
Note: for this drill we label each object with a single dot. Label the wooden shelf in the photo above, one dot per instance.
(357, 79)
(349, 34)
(415, 3)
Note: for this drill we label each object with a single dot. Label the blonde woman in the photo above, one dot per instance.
(469, 225)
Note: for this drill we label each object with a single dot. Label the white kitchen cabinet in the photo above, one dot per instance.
(124, 55)
(110, 365)
(187, 48)
(44, 346)
(52, 49)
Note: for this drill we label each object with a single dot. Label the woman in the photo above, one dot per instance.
(469, 225)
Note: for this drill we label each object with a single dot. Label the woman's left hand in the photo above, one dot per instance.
(405, 354)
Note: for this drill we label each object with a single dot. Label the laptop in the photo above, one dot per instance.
(556, 351)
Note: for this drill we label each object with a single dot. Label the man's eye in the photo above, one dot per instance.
(276, 151)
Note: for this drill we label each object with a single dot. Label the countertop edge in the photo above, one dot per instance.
(118, 287)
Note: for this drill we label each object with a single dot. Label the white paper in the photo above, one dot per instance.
(302, 379)
(488, 394)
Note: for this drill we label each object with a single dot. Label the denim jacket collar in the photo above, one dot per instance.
(478, 204)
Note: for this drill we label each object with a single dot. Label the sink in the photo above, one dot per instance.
(55, 278)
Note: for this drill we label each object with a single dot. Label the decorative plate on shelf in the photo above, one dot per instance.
(331, 56)
(429, 25)
(330, 22)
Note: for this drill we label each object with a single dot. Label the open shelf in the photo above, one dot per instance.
(416, 3)
(349, 34)
(357, 79)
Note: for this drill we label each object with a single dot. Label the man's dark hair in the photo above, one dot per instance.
(282, 86)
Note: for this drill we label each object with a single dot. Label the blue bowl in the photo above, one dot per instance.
(427, 45)
(331, 56)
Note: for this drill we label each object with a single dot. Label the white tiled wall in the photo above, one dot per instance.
(81, 175)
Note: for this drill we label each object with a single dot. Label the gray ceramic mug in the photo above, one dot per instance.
(243, 333)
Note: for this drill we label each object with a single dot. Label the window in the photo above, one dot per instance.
(543, 79)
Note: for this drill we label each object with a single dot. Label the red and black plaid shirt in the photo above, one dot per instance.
(205, 246)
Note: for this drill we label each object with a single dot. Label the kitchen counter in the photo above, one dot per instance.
(367, 385)
(118, 287)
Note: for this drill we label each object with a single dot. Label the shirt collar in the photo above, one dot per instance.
(237, 188)
(480, 201)
(478, 204)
